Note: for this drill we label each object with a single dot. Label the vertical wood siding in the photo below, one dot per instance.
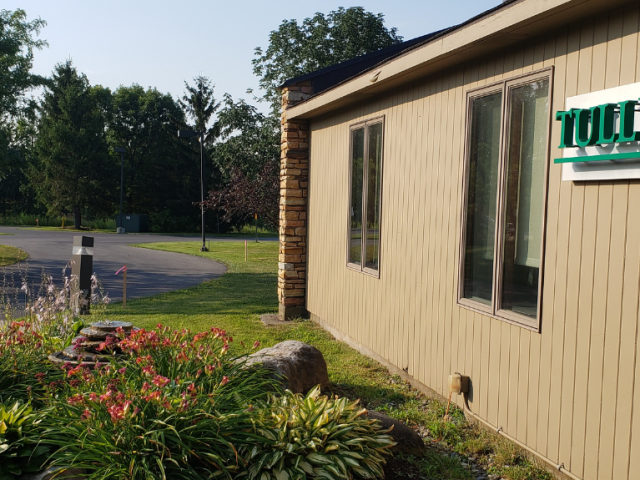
(569, 391)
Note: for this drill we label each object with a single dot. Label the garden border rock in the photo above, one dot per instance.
(297, 365)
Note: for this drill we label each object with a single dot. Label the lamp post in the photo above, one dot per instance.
(121, 151)
(200, 135)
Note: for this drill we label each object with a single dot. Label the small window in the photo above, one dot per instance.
(505, 192)
(363, 250)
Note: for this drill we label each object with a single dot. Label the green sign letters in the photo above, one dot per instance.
(575, 130)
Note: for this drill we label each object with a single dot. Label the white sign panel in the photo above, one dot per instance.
(627, 163)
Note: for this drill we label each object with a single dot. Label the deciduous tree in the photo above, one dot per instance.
(17, 44)
(247, 139)
(161, 172)
(320, 41)
(244, 196)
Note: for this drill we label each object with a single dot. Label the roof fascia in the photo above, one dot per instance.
(514, 23)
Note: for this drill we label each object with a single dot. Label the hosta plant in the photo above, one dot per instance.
(314, 436)
(19, 452)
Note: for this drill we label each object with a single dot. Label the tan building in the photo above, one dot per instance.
(430, 218)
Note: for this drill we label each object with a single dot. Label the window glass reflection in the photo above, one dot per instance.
(357, 160)
(482, 182)
(526, 154)
(374, 184)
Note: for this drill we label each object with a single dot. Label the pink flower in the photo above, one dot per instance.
(152, 396)
(182, 357)
(256, 344)
(74, 400)
(86, 415)
(160, 381)
(105, 396)
(122, 370)
(225, 380)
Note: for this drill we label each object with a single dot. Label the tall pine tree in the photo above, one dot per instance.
(74, 172)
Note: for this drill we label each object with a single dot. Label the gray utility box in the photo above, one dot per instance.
(133, 223)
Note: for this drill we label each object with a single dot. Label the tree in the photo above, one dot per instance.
(74, 171)
(247, 155)
(16, 57)
(247, 139)
(317, 43)
(161, 172)
(199, 104)
(17, 116)
(244, 196)
(17, 146)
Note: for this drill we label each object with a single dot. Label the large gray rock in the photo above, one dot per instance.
(300, 365)
(407, 440)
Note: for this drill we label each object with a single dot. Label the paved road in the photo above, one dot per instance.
(149, 272)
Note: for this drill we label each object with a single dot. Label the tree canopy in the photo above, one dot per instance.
(318, 42)
(56, 154)
(247, 139)
(17, 44)
(145, 122)
(74, 170)
(200, 105)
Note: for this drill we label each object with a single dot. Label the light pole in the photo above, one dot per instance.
(200, 135)
(121, 151)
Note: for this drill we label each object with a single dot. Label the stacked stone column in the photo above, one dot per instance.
(294, 178)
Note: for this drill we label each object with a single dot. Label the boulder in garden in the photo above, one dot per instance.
(300, 365)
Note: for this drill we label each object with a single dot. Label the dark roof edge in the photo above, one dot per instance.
(419, 42)
(390, 51)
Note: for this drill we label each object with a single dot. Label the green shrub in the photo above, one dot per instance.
(314, 436)
(177, 405)
(19, 451)
(24, 367)
(173, 407)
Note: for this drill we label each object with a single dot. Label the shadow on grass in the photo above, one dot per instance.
(232, 294)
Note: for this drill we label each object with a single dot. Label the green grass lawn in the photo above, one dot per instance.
(235, 302)
(10, 255)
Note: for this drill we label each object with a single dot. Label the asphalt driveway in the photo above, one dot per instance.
(149, 272)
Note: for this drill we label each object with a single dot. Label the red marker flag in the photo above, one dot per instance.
(123, 269)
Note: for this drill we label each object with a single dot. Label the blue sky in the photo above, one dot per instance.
(161, 43)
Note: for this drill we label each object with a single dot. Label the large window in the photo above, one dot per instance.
(363, 250)
(505, 192)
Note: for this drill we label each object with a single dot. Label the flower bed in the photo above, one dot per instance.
(173, 405)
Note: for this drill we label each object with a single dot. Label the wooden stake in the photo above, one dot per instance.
(245, 250)
(124, 287)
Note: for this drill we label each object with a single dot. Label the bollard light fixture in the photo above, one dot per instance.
(81, 270)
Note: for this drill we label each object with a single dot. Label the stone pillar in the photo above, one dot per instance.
(294, 178)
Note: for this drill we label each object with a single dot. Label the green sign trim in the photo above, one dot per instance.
(599, 158)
